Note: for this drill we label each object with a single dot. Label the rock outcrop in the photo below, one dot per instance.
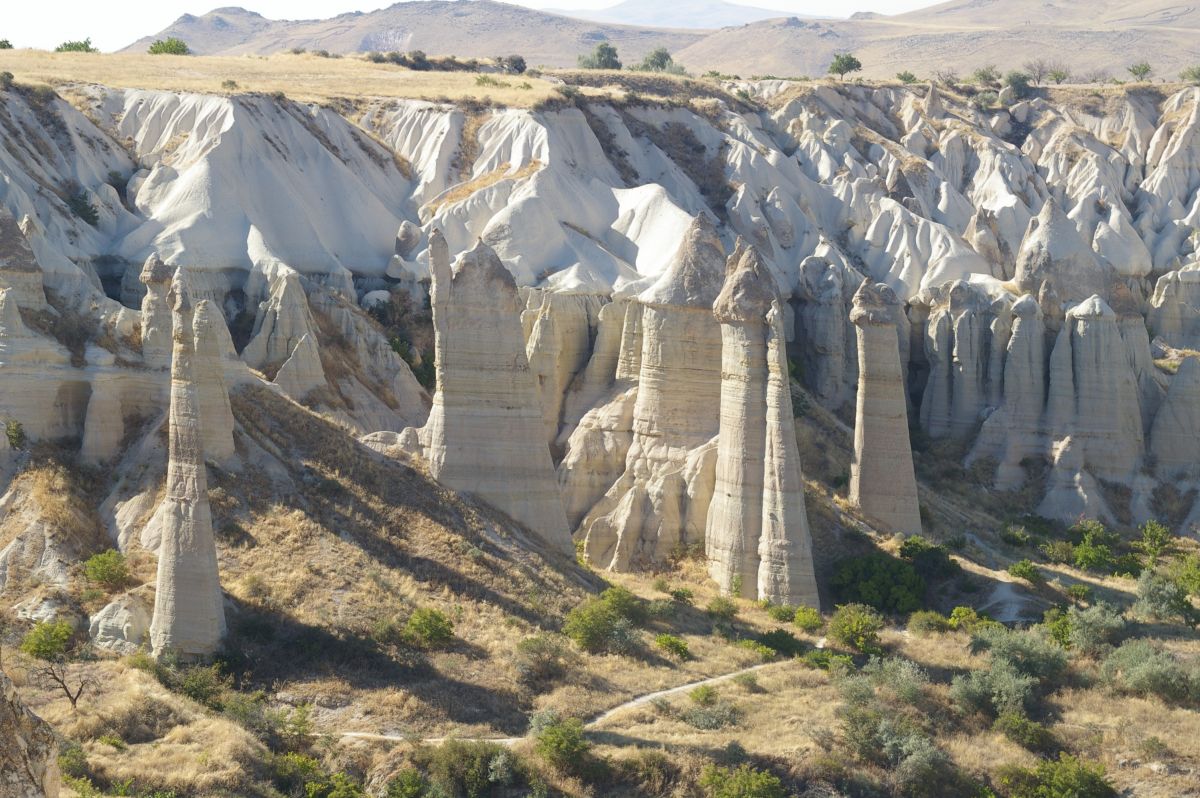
(156, 313)
(757, 540)
(28, 749)
(212, 393)
(1175, 436)
(121, 626)
(660, 501)
(882, 481)
(1053, 252)
(486, 432)
(189, 613)
(19, 269)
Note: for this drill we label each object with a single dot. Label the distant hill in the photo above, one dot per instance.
(1086, 35)
(472, 28)
(677, 14)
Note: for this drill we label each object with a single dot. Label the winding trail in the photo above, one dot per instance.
(637, 701)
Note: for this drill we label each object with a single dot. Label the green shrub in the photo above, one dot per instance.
(747, 681)
(1137, 667)
(843, 63)
(808, 619)
(1186, 574)
(986, 75)
(782, 642)
(660, 60)
(931, 560)
(984, 100)
(1025, 569)
(1019, 83)
(826, 660)
(903, 678)
(603, 57)
(741, 782)
(993, 691)
(1065, 777)
(6, 80)
(1141, 70)
(169, 46)
(781, 612)
(5, 44)
(1026, 733)
(428, 628)
(705, 695)
(107, 568)
(764, 652)
(204, 684)
(682, 594)
(1154, 541)
(1058, 551)
(1027, 651)
(1057, 624)
(1015, 535)
(84, 46)
(596, 627)
(625, 604)
(408, 783)
(1079, 592)
(459, 767)
(292, 773)
(562, 745)
(1161, 598)
(711, 718)
(542, 659)
(927, 622)
(72, 761)
(879, 581)
(906, 77)
(722, 608)
(1094, 628)
(675, 646)
(48, 640)
(857, 626)
(967, 619)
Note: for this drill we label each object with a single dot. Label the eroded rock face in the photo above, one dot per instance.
(156, 313)
(1175, 437)
(882, 481)
(122, 626)
(189, 614)
(757, 540)
(1053, 252)
(486, 433)
(28, 749)
(19, 269)
(660, 500)
(212, 395)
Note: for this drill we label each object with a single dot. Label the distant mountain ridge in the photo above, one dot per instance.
(960, 35)
(697, 14)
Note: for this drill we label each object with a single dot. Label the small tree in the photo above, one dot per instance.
(1191, 75)
(1155, 541)
(84, 46)
(1141, 70)
(906, 77)
(947, 76)
(5, 44)
(603, 57)
(1038, 69)
(1018, 82)
(857, 626)
(512, 64)
(108, 569)
(13, 430)
(49, 643)
(844, 63)
(986, 75)
(659, 60)
(1059, 75)
(169, 46)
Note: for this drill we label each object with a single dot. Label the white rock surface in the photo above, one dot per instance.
(122, 626)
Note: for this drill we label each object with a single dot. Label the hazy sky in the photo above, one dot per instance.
(114, 24)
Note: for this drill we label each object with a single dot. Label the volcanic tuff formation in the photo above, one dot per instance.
(189, 611)
(1038, 255)
(28, 749)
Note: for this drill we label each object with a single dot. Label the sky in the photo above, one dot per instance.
(114, 24)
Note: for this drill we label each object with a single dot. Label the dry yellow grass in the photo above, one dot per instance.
(307, 78)
(463, 190)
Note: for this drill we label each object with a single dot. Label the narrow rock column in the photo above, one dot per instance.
(486, 432)
(216, 416)
(882, 481)
(189, 617)
(156, 313)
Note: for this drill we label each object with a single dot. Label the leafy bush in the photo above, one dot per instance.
(926, 622)
(169, 46)
(625, 604)
(6, 80)
(603, 57)
(903, 678)
(1138, 668)
(428, 628)
(781, 612)
(967, 619)
(1154, 540)
(1019, 83)
(1141, 70)
(660, 60)
(542, 659)
(204, 684)
(605, 623)
(984, 100)
(722, 608)
(906, 77)
(1027, 651)
(1015, 535)
(741, 782)
(675, 646)
(1026, 733)
(808, 619)
(992, 691)
(682, 594)
(48, 640)
(1186, 574)
(857, 626)
(1025, 569)
(84, 46)
(843, 63)
(562, 745)
(764, 652)
(1058, 551)
(15, 432)
(1080, 592)
(879, 581)
(932, 560)
(1094, 628)
(1065, 777)
(1161, 598)
(459, 767)
(986, 75)
(293, 772)
(81, 207)
(5, 44)
(1190, 75)
(705, 695)
(108, 569)
(408, 783)
(826, 660)
(782, 642)
(711, 718)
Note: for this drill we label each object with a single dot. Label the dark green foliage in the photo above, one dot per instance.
(781, 612)
(5, 44)
(1058, 551)
(562, 745)
(1065, 777)
(1019, 83)
(1190, 75)
(808, 619)
(1026, 733)
(925, 622)
(81, 207)
(15, 433)
(782, 642)
(740, 782)
(659, 60)
(906, 77)
(603, 57)
(879, 581)
(512, 64)
(1015, 535)
(6, 80)
(843, 63)
(1141, 70)
(1079, 592)
(986, 75)
(108, 569)
(464, 768)
(1027, 651)
(825, 660)
(84, 46)
(171, 45)
(408, 783)
(606, 622)
(932, 560)
(1154, 540)
(857, 626)
(204, 684)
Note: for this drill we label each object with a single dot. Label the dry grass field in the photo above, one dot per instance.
(305, 77)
